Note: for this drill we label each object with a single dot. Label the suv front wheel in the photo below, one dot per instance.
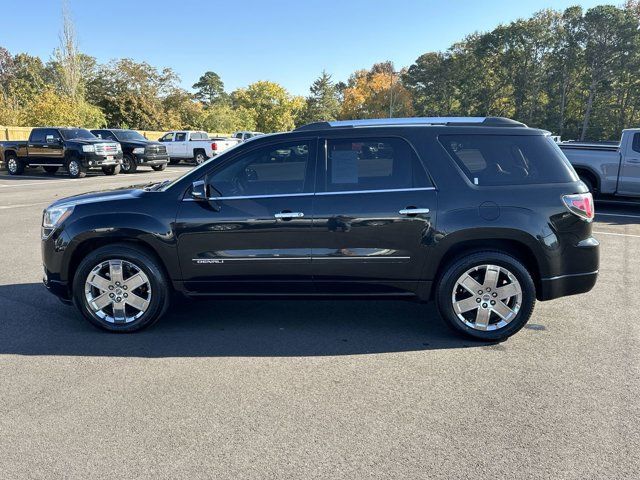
(120, 288)
(486, 295)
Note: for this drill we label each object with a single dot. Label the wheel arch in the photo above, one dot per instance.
(91, 244)
(516, 248)
(586, 172)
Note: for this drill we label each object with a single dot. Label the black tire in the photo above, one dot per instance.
(129, 164)
(50, 170)
(14, 166)
(455, 270)
(174, 161)
(160, 290)
(199, 157)
(159, 168)
(75, 169)
(111, 170)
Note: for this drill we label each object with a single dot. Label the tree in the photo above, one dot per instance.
(53, 108)
(210, 89)
(225, 119)
(322, 104)
(67, 57)
(271, 106)
(375, 94)
(131, 94)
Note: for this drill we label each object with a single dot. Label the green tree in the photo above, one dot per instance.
(323, 103)
(210, 89)
(271, 106)
(225, 119)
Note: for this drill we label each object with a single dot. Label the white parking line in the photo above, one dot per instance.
(617, 234)
(43, 182)
(21, 205)
(616, 215)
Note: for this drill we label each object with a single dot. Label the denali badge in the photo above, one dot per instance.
(206, 260)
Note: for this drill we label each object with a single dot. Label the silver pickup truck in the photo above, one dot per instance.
(608, 169)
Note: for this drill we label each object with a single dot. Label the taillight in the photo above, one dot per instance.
(214, 146)
(580, 204)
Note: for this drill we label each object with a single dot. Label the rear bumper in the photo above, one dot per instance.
(563, 285)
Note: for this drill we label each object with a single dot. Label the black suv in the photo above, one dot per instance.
(137, 150)
(484, 215)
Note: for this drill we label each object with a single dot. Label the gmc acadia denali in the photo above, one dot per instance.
(483, 215)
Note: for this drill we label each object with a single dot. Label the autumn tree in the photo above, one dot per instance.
(376, 93)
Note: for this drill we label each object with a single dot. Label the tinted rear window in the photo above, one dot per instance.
(509, 159)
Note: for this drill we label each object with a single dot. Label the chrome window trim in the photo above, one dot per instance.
(348, 192)
(387, 190)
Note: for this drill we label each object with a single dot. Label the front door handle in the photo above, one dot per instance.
(413, 211)
(289, 215)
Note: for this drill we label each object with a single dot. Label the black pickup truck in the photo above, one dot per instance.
(137, 150)
(75, 149)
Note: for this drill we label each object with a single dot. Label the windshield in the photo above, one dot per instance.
(77, 133)
(129, 135)
(194, 172)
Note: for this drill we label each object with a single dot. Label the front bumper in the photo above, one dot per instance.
(151, 159)
(92, 160)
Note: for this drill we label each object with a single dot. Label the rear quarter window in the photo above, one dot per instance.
(508, 159)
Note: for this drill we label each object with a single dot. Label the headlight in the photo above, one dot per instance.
(138, 151)
(88, 148)
(53, 217)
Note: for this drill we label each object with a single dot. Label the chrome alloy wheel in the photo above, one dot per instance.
(117, 291)
(12, 165)
(487, 297)
(74, 168)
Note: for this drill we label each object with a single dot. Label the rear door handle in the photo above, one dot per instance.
(289, 215)
(413, 211)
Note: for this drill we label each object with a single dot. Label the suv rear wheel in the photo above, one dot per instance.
(120, 288)
(486, 295)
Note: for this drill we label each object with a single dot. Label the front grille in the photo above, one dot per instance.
(106, 148)
(156, 150)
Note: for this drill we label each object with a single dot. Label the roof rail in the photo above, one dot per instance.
(385, 122)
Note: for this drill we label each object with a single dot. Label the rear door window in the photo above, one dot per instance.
(360, 164)
(508, 159)
(636, 143)
(180, 137)
(37, 135)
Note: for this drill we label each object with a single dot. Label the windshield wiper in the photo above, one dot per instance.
(156, 185)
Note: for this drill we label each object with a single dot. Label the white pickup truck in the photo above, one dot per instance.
(193, 145)
(608, 169)
(244, 135)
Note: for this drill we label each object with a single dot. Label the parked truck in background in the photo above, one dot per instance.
(136, 149)
(75, 149)
(245, 135)
(608, 168)
(193, 145)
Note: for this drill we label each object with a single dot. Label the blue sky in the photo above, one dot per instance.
(285, 41)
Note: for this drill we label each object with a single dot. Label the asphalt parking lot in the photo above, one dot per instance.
(255, 389)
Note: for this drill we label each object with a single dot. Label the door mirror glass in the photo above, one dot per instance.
(199, 190)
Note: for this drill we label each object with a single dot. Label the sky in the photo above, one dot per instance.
(285, 41)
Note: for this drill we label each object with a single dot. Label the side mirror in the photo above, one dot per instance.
(199, 190)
